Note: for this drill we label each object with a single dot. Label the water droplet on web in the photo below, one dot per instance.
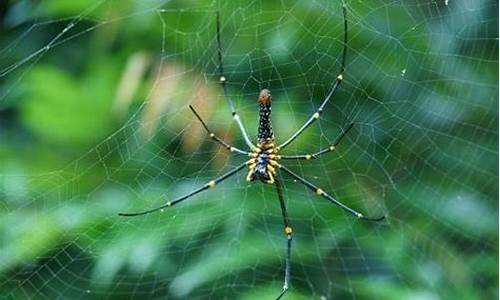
(161, 210)
(403, 72)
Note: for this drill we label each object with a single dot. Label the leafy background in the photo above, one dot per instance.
(94, 121)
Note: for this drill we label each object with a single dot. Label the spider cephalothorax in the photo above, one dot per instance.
(262, 166)
(263, 163)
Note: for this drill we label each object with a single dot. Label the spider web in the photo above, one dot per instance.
(93, 104)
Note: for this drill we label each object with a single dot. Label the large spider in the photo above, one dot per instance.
(264, 162)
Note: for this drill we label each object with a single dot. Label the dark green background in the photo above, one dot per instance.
(94, 121)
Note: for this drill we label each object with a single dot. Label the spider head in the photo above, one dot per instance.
(261, 169)
(265, 97)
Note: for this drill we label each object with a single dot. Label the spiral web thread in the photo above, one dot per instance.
(421, 85)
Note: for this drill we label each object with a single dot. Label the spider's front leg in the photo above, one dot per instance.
(208, 185)
(328, 197)
(289, 237)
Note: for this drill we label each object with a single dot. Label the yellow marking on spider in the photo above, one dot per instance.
(320, 192)
(274, 163)
(316, 115)
(288, 230)
(271, 178)
(270, 168)
(211, 183)
(249, 176)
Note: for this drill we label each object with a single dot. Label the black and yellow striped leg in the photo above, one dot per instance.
(332, 91)
(216, 138)
(316, 154)
(210, 184)
(328, 197)
(288, 233)
(223, 82)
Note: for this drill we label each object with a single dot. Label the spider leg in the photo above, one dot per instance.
(326, 150)
(332, 91)
(216, 138)
(288, 233)
(223, 81)
(210, 184)
(328, 197)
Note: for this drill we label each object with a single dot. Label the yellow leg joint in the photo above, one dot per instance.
(271, 178)
(288, 230)
(308, 156)
(320, 192)
(332, 148)
(211, 183)
(168, 203)
(274, 163)
(249, 175)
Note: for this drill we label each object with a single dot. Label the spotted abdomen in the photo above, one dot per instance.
(265, 132)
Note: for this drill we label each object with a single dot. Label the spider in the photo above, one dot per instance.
(264, 162)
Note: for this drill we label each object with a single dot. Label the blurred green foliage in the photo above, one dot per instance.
(93, 121)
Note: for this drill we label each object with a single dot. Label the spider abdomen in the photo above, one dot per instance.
(265, 131)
